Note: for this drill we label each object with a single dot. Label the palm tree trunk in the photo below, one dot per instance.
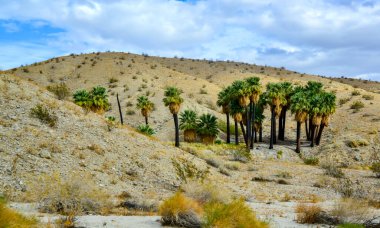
(261, 134)
(253, 123)
(243, 131)
(120, 113)
(283, 124)
(307, 131)
(255, 132)
(316, 130)
(146, 120)
(280, 125)
(236, 133)
(271, 129)
(274, 130)
(175, 116)
(312, 135)
(310, 128)
(249, 128)
(319, 136)
(298, 148)
(228, 128)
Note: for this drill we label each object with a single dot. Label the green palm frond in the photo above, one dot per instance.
(207, 125)
(188, 120)
(143, 102)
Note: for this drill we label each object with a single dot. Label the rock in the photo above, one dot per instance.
(45, 154)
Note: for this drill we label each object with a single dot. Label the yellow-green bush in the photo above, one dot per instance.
(10, 218)
(234, 214)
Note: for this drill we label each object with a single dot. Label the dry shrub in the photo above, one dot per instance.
(331, 169)
(205, 193)
(72, 195)
(308, 214)
(357, 143)
(60, 90)
(10, 218)
(234, 214)
(96, 148)
(181, 211)
(44, 115)
(349, 210)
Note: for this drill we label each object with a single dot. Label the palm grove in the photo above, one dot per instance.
(244, 101)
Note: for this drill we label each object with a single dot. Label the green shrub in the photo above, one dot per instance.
(376, 169)
(222, 125)
(113, 80)
(368, 97)
(60, 90)
(241, 155)
(355, 93)
(234, 214)
(96, 99)
(350, 225)
(311, 161)
(44, 115)
(357, 105)
(146, 129)
(342, 101)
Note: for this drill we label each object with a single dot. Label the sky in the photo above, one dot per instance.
(324, 37)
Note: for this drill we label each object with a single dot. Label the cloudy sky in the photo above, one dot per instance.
(326, 37)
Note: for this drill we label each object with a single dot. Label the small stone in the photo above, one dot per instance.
(45, 154)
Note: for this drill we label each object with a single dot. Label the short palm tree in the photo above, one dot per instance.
(83, 98)
(328, 108)
(208, 128)
(224, 100)
(300, 106)
(99, 99)
(146, 106)
(188, 123)
(174, 100)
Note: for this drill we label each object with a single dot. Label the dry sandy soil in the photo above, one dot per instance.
(81, 147)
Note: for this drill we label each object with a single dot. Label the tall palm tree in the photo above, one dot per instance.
(300, 106)
(224, 100)
(256, 89)
(242, 92)
(311, 88)
(236, 112)
(174, 100)
(188, 123)
(287, 89)
(315, 112)
(258, 123)
(207, 128)
(146, 106)
(328, 108)
(275, 98)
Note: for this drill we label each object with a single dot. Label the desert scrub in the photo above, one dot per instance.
(180, 211)
(357, 143)
(355, 93)
(357, 105)
(186, 170)
(309, 214)
(234, 214)
(241, 155)
(342, 101)
(71, 195)
(10, 218)
(375, 167)
(206, 192)
(44, 115)
(60, 90)
(368, 97)
(331, 169)
(146, 129)
(311, 161)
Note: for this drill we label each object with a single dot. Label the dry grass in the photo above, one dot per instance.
(308, 214)
(207, 192)
(350, 210)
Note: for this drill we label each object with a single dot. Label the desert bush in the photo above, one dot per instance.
(234, 214)
(284, 174)
(186, 170)
(224, 171)
(375, 167)
(357, 105)
(368, 97)
(311, 161)
(355, 93)
(130, 112)
(72, 195)
(331, 169)
(222, 125)
(349, 210)
(60, 90)
(348, 188)
(95, 100)
(111, 124)
(342, 101)
(202, 91)
(146, 129)
(241, 155)
(10, 218)
(113, 80)
(180, 211)
(206, 192)
(213, 162)
(308, 214)
(44, 115)
(232, 166)
(357, 143)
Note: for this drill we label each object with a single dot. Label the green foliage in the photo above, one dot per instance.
(368, 97)
(207, 125)
(342, 101)
(311, 161)
(254, 85)
(376, 169)
(44, 115)
(355, 93)
(241, 155)
(95, 100)
(60, 90)
(186, 170)
(240, 88)
(144, 103)
(350, 225)
(172, 95)
(222, 125)
(10, 218)
(357, 105)
(146, 129)
(224, 98)
(188, 120)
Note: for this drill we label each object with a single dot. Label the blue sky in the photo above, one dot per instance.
(325, 37)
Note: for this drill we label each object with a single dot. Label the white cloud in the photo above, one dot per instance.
(322, 37)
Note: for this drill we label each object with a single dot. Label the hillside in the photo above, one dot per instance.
(201, 80)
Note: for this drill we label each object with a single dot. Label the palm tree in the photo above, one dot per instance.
(146, 106)
(311, 88)
(224, 100)
(287, 89)
(242, 92)
(256, 90)
(83, 98)
(236, 112)
(328, 108)
(300, 106)
(275, 98)
(188, 123)
(258, 123)
(174, 100)
(99, 99)
(207, 128)
(315, 112)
